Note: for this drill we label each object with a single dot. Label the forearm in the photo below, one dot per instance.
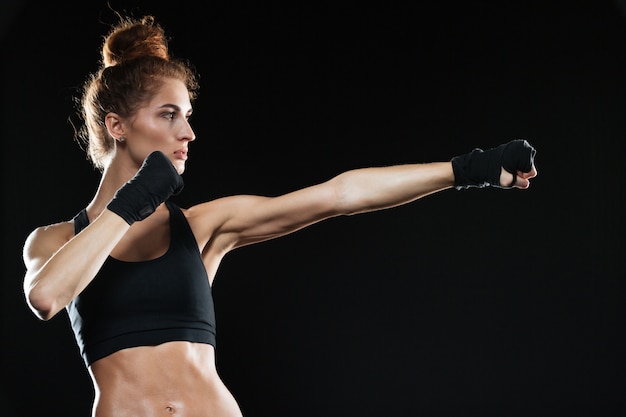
(60, 276)
(370, 189)
(70, 269)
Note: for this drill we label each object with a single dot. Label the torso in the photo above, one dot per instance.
(175, 378)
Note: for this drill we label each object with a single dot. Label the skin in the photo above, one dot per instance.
(180, 377)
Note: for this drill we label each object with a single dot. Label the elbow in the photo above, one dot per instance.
(42, 308)
(353, 196)
(42, 305)
(343, 197)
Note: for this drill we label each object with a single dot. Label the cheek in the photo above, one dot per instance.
(154, 132)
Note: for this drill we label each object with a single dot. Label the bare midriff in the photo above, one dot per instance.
(174, 378)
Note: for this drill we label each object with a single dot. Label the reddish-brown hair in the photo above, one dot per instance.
(135, 62)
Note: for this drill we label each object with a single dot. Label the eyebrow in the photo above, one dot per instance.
(175, 107)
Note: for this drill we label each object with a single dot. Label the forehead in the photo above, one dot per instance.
(171, 91)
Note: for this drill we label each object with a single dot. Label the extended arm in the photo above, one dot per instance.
(251, 219)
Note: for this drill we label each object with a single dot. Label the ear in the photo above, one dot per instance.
(115, 125)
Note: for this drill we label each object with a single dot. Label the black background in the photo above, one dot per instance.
(466, 303)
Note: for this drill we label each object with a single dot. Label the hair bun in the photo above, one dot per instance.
(134, 38)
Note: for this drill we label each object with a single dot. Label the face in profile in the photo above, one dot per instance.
(163, 124)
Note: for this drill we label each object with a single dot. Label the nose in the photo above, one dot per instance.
(187, 133)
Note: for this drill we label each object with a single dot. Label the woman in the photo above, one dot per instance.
(134, 271)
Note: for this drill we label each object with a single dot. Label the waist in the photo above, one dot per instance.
(173, 378)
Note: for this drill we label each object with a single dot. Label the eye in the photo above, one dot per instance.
(169, 115)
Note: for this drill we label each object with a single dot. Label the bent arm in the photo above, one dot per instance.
(57, 269)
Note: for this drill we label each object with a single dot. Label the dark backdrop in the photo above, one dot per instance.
(470, 303)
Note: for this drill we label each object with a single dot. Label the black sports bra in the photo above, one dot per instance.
(145, 303)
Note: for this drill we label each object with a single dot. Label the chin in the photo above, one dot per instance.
(180, 167)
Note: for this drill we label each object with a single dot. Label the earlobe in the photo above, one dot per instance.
(114, 125)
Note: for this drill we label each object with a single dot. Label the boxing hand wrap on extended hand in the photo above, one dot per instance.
(155, 182)
(483, 168)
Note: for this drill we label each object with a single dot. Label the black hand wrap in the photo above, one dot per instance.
(155, 182)
(483, 168)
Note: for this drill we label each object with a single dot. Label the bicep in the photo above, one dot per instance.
(247, 219)
(274, 217)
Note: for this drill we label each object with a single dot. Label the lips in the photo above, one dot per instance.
(181, 154)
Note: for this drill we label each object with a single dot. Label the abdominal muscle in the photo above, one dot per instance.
(174, 378)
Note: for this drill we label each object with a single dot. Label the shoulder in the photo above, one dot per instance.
(63, 230)
(48, 239)
(218, 221)
(219, 211)
(210, 215)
